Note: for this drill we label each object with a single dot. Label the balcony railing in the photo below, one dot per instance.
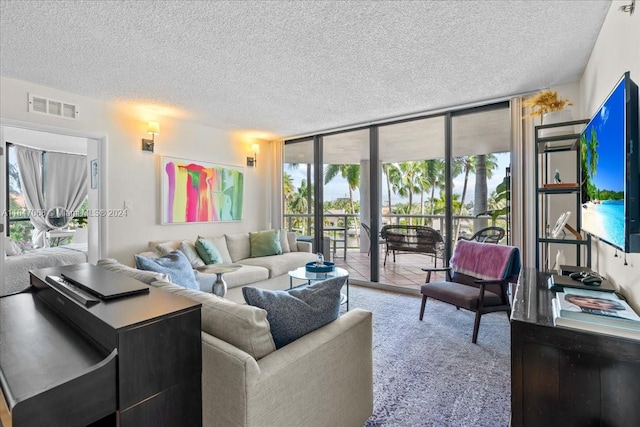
(303, 223)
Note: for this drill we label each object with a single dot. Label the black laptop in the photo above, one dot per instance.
(103, 283)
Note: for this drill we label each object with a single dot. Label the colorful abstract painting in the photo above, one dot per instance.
(195, 191)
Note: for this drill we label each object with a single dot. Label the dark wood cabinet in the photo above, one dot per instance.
(567, 377)
(130, 361)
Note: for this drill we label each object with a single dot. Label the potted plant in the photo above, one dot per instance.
(551, 109)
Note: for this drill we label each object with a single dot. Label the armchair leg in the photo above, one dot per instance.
(385, 257)
(424, 302)
(476, 326)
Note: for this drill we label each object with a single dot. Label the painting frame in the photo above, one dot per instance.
(194, 191)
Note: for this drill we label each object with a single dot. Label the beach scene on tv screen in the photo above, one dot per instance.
(603, 162)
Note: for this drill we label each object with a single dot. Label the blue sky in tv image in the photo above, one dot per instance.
(602, 216)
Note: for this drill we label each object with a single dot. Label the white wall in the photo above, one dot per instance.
(616, 51)
(133, 175)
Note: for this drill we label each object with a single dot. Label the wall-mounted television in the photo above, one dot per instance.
(610, 156)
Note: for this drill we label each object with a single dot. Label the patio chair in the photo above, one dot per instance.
(477, 279)
(367, 229)
(412, 239)
(487, 235)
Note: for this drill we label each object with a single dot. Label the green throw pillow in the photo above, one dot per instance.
(208, 251)
(265, 243)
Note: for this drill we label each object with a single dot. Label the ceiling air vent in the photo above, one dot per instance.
(42, 105)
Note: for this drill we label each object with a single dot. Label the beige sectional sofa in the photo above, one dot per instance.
(324, 378)
(270, 272)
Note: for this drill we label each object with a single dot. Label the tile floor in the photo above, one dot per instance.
(404, 275)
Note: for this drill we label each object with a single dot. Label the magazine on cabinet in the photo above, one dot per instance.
(591, 326)
(598, 307)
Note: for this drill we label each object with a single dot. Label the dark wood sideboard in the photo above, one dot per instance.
(129, 361)
(567, 377)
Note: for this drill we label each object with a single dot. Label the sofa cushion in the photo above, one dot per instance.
(265, 243)
(163, 248)
(296, 312)
(141, 275)
(292, 238)
(243, 326)
(280, 264)
(245, 275)
(189, 250)
(175, 265)
(208, 251)
(284, 241)
(239, 246)
(221, 244)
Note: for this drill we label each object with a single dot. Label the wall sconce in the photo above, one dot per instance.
(253, 161)
(153, 129)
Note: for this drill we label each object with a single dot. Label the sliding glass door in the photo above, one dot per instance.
(298, 188)
(480, 169)
(412, 163)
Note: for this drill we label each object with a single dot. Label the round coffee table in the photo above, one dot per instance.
(219, 286)
(301, 273)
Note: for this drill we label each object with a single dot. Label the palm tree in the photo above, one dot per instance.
(349, 172)
(394, 178)
(387, 169)
(485, 165)
(431, 177)
(589, 160)
(404, 182)
(288, 188)
(466, 165)
(300, 203)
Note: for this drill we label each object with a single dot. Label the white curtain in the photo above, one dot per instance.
(65, 180)
(523, 183)
(30, 170)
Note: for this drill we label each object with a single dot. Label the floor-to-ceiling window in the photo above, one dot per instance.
(412, 160)
(446, 171)
(298, 187)
(481, 161)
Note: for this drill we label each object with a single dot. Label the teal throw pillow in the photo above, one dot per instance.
(208, 251)
(264, 243)
(175, 265)
(298, 311)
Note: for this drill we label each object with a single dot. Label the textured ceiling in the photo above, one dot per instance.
(286, 68)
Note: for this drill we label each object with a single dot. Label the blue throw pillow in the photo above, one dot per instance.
(296, 312)
(175, 264)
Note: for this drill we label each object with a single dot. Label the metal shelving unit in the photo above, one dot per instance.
(545, 148)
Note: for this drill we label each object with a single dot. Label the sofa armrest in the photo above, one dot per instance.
(227, 373)
(304, 246)
(324, 378)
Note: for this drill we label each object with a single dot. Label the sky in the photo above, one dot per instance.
(338, 188)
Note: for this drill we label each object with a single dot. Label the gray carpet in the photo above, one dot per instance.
(428, 373)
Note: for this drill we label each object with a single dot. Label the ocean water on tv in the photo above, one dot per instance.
(605, 220)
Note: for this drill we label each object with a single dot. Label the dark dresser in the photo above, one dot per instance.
(129, 361)
(567, 377)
